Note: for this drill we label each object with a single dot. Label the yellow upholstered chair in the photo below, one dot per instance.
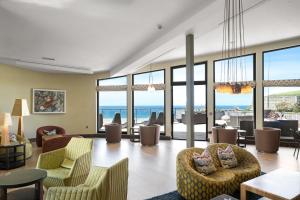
(193, 185)
(102, 184)
(67, 166)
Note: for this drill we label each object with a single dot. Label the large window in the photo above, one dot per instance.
(149, 103)
(281, 97)
(113, 103)
(235, 110)
(179, 102)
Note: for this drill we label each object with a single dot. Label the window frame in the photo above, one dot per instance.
(183, 83)
(132, 94)
(263, 73)
(254, 89)
(101, 79)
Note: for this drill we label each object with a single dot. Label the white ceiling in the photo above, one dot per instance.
(265, 21)
(86, 36)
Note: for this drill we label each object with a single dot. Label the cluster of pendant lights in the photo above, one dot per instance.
(233, 67)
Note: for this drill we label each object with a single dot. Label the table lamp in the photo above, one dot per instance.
(20, 109)
(5, 121)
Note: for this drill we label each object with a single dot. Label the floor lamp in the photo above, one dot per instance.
(20, 109)
(5, 121)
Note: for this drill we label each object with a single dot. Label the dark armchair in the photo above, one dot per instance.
(152, 119)
(40, 132)
(296, 135)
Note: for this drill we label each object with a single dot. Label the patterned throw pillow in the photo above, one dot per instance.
(50, 133)
(227, 157)
(204, 163)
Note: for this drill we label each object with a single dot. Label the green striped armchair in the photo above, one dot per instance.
(67, 166)
(101, 184)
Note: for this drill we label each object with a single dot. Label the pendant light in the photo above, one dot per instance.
(151, 87)
(233, 67)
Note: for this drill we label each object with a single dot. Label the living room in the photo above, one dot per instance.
(140, 112)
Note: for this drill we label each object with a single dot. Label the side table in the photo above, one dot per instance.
(11, 157)
(21, 178)
(242, 138)
(134, 130)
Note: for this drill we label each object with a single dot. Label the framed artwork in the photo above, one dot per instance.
(45, 101)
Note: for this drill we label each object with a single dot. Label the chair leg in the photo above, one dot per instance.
(298, 152)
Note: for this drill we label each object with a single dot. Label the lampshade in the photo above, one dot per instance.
(20, 108)
(5, 119)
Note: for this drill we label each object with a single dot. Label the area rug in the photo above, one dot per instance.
(176, 196)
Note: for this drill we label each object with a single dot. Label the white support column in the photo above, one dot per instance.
(210, 95)
(129, 103)
(190, 90)
(168, 125)
(259, 90)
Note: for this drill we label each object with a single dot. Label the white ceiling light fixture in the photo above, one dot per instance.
(151, 87)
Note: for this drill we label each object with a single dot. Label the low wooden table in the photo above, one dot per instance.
(280, 184)
(23, 178)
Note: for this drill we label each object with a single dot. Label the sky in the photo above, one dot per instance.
(282, 64)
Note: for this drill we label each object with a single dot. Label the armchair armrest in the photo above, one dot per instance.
(55, 143)
(70, 193)
(51, 159)
(80, 170)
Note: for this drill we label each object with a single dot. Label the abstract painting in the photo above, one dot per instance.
(48, 101)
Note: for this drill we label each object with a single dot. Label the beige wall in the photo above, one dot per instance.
(81, 98)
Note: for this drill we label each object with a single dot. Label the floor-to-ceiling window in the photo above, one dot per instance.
(235, 109)
(282, 89)
(149, 103)
(179, 102)
(112, 101)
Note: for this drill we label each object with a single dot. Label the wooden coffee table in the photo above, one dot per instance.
(280, 184)
(22, 178)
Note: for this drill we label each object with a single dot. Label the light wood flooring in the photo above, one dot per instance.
(152, 169)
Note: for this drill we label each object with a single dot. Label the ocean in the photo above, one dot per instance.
(142, 113)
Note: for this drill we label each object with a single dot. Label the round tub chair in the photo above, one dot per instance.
(224, 135)
(40, 132)
(150, 134)
(192, 185)
(267, 139)
(113, 132)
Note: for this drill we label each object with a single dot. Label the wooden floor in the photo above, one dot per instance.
(152, 169)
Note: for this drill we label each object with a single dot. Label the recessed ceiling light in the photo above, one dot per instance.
(159, 26)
